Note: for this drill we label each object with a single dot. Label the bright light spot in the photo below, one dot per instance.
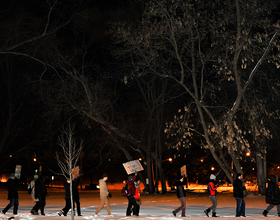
(52, 177)
(35, 159)
(97, 187)
(201, 160)
(212, 168)
(278, 167)
(170, 159)
(248, 154)
(11, 155)
(140, 159)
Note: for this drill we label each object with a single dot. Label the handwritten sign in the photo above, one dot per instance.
(75, 172)
(184, 170)
(18, 171)
(132, 166)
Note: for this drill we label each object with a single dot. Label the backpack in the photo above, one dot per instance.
(29, 188)
(124, 190)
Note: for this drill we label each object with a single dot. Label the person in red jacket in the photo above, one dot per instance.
(131, 195)
(212, 189)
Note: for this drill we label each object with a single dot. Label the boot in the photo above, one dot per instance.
(265, 213)
(61, 212)
(214, 214)
(207, 212)
(34, 212)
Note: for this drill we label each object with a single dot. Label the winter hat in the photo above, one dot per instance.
(105, 175)
(212, 177)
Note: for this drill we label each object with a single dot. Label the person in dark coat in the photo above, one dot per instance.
(181, 194)
(39, 193)
(12, 183)
(67, 206)
(132, 204)
(272, 195)
(76, 195)
(238, 189)
(212, 189)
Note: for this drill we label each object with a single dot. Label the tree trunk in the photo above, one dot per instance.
(261, 173)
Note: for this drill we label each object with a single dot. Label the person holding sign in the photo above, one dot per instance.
(181, 194)
(104, 194)
(131, 195)
(12, 183)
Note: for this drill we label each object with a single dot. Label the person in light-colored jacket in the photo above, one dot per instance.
(104, 195)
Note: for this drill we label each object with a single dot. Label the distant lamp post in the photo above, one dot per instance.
(34, 159)
(202, 160)
(140, 159)
(212, 168)
(169, 159)
(248, 154)
(278, 167)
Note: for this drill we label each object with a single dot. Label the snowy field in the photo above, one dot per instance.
(155, 206)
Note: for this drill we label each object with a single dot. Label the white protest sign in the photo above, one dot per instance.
(132, 166)
(18, 171)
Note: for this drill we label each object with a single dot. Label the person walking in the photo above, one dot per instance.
(132, 205)
(76, 195)
(12, 183)
(212, 189)
(272, 195)
(181, 194)
(238, 189)
(67, 198)
(137, 197)
(38, 193)
(104, 194)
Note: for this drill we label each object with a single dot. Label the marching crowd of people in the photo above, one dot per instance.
(131, 190)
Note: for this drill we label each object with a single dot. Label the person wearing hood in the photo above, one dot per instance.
(212, 189)
(272, 195)
(12, 183)
(181, 194)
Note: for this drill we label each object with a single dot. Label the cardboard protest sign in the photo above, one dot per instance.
(18, 171)
(75, 172)
(184, 170)
(132, 166)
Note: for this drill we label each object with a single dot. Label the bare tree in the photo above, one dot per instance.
(71, 154)
(213, 55)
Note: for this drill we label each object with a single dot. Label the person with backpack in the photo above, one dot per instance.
(38, 193)
(132, 205)
(212, 189)
(181, 194)
(104, 196)
(272, 195)
(12, 183)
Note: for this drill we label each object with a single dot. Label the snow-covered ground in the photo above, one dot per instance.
(154, 206)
